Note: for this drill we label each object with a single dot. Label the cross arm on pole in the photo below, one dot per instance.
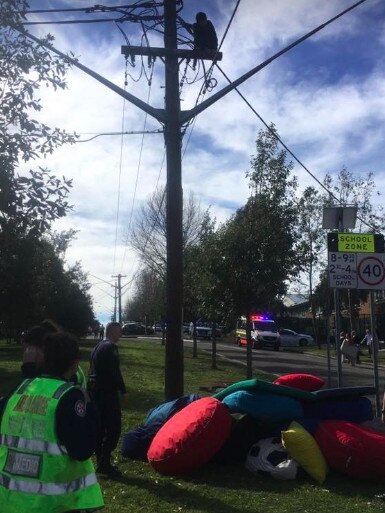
(209, 55)
(158, 114)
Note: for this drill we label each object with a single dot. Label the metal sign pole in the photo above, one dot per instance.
(375, 353)
(338, 329)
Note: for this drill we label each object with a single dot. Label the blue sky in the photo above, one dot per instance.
(326, 98)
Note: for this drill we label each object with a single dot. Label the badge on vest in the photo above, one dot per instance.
(22, 464)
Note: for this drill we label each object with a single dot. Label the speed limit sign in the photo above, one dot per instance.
(370, 271)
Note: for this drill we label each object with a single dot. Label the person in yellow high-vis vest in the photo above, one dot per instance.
(47, 435)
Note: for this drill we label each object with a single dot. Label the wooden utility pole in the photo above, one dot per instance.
(115, 300)
(174, 212)
(119, 293)
(173, 119)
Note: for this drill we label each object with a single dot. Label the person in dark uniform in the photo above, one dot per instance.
(205, 37)
(58, 426)
(107, 389)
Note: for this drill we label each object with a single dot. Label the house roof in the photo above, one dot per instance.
(294, 300)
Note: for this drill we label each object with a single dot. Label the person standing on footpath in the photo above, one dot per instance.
(48, 433)
(107, 389)
(368, 341)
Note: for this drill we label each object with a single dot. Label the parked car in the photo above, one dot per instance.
(157, 327)
(136, 328)
(292, 338)
(203, 330)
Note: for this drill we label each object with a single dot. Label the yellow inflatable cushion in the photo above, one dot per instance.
(303, 448)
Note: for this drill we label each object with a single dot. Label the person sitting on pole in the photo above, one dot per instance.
(205, 37)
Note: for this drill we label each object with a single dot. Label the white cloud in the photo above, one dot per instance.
(327, 122)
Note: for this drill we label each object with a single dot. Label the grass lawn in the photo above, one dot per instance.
(212, 489)
(364, 356)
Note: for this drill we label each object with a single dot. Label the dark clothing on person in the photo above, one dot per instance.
(104, 371)
(30, 370)
(105, 384)
(76, 423)
(110, 427)
(205, 37)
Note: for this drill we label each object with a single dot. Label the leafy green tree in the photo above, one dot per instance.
(148, 299)
(259, 242)
(30, 199)
(37, 286)
(312, 245)
(251, 257)
(28, 203)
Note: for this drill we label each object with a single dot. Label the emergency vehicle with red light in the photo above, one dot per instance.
(264, 332)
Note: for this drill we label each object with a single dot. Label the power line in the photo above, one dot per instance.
(119, 180)
(138, 168)
(95, 8)
(101, 279)
(331, 194)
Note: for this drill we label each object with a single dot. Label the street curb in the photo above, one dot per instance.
(363, 365)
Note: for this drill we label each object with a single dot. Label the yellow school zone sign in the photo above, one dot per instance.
(356, 242)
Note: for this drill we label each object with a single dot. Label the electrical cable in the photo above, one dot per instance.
(139, 267)
(331, 194)
(76, 22)
(95, 8)
(120, 174)
(101, 279)
(138, 170)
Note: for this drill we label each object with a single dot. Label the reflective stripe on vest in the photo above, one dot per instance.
(32, 445)
(19, 485)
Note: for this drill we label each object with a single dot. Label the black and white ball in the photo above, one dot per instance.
(269, 457)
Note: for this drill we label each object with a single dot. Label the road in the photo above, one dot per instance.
(282, 362)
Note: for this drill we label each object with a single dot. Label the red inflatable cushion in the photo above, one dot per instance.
(191, 437)
(352, 449)
(307, 382)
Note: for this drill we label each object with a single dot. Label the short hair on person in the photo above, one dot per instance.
(112, 324)
(35, 336)
(61, 350)
(51, 326)
(201, 16)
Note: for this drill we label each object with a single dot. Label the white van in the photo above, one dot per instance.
(264, 333)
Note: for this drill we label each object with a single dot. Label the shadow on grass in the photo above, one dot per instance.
(172, 492)
(230, 479)
(236, 477)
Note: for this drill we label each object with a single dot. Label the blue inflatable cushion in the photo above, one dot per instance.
(355, 409)
(265, 406)
(135, 443)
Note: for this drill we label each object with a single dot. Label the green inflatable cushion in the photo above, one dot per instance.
(258, 384)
